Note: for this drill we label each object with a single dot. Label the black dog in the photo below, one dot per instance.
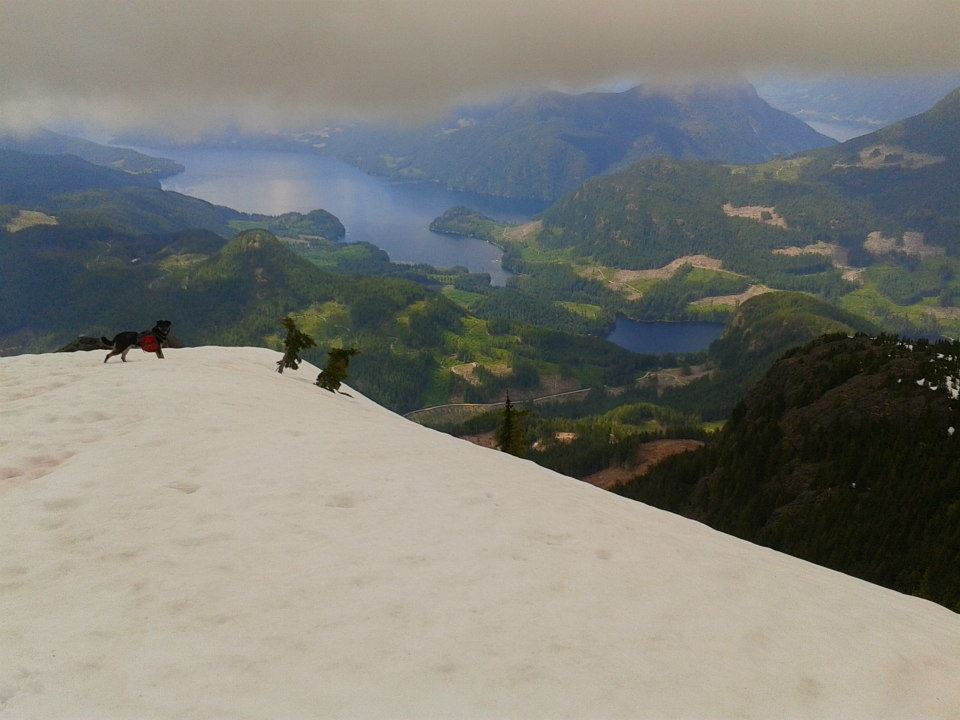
(123, 342)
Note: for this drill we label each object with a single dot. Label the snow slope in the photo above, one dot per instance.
(200, 537)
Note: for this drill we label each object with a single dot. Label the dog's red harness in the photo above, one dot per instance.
(148, 343)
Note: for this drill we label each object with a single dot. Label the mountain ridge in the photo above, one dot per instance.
(45, 142)
(855, 105)
(846, 454)
(544, 145)
(871, 224)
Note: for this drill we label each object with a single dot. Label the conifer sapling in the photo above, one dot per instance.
(293, 345)
(335, 371)
(510, 434)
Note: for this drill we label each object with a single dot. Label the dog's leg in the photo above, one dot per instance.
(123, 355)
(160, 353)
(111, 354)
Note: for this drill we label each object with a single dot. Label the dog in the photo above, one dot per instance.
(123, 342)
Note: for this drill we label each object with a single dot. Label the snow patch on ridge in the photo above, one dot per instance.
(218, 540)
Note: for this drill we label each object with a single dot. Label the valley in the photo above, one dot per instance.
(664, 263)
(393, 216)
(626, 321)
(688, 240)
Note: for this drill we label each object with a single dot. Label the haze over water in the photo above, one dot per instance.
(391, 215)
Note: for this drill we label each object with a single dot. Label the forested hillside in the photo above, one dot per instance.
(92, 253)
(606, 432)
(44, 142)
(762, 329)
(418, 346)
(872, 224)
(78, 194)
(662, 209)
(846, 454)
(30, 179)
(901, 178)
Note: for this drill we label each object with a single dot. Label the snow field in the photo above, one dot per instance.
(200, 537)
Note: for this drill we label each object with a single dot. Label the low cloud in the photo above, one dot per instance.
(193, 65)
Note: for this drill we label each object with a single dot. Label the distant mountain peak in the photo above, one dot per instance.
(544, 145)
(738, 88)
(948, 107)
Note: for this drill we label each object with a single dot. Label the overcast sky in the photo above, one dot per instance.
(188, 65)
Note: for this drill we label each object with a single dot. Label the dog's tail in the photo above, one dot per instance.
(106, 341)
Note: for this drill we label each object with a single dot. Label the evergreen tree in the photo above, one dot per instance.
(335, 371)
(293, 345)
(510, 435)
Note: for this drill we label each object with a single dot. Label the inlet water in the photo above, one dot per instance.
(393, 216)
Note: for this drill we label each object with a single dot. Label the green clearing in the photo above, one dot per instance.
(587, 310)
(181, 261)
(925, 315)
(787, 170)
(327, 323)
(29, 218)
(714, 426)
(670, 299)
(641, 286)
(475, 343)
(334, 257)
(464, 298)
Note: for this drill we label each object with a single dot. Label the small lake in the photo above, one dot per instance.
(391, 215)
(656, 338)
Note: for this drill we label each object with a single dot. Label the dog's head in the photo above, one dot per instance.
(162, 327)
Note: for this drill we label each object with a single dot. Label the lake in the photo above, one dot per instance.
(656, 338)
(392, 215)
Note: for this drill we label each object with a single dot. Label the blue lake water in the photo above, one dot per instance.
(656, 338)
(393, 216)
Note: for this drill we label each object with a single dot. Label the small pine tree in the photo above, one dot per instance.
(335, 371)
(510, 434)
(293, 345)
